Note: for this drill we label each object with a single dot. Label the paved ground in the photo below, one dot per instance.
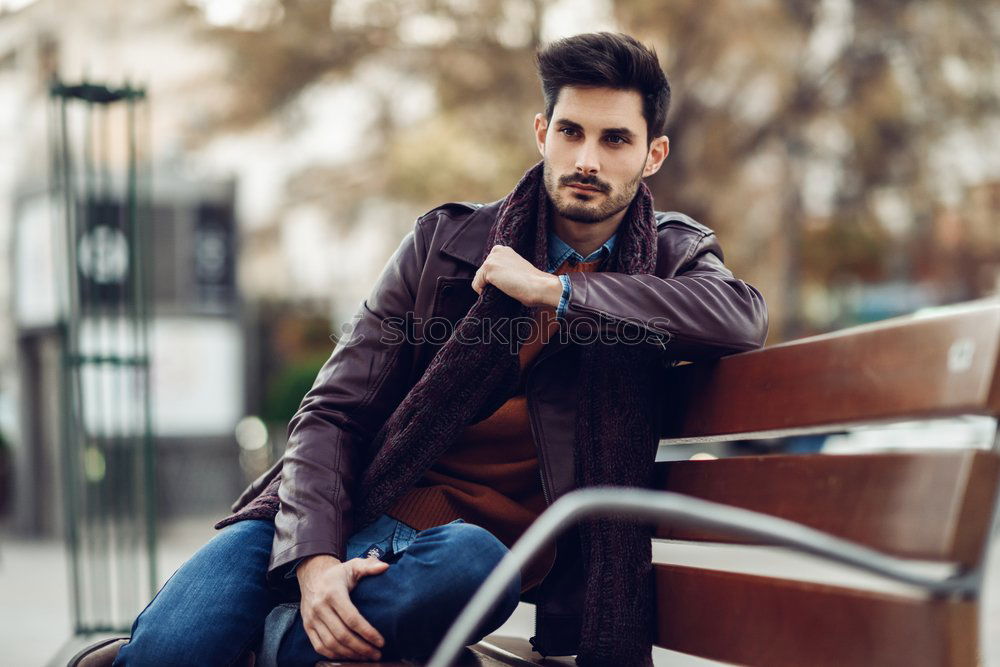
(35, 625)
(34, 604)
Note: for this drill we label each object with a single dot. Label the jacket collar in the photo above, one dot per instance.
(468, 241)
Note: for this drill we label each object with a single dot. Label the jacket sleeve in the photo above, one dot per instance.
(354, 392)
(701, 312)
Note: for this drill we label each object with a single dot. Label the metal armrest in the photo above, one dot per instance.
(691, 512)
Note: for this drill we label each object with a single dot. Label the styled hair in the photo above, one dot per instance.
(606, 60)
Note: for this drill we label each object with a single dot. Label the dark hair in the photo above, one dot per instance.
(606, 60)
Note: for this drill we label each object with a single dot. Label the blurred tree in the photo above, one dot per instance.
(827, 141)
(837, 114)
(476, 56)
(286, 389)
(292, 348)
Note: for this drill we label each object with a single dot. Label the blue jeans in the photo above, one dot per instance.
(213, 608)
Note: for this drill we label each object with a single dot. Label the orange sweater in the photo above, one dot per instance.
(490, 476)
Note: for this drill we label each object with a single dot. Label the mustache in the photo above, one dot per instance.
(590, 181)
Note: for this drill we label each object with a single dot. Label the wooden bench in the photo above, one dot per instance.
(927, 514)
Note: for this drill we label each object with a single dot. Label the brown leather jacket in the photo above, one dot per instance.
(692, 298)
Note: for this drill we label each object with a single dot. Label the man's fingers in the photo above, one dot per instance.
(337, 639)
(354, 621)
(320, 640)
(369, 566)
(364, 567)
(319, 634)
(347, 638)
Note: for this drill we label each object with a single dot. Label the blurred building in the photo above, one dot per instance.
(198, 353)
(305, 190)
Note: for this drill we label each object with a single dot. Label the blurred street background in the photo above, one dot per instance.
(273, 153)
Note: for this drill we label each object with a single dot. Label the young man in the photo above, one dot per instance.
(508, 353)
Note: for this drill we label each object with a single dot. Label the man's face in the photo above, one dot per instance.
(595, 152)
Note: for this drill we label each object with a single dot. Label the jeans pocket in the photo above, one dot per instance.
(402, 537)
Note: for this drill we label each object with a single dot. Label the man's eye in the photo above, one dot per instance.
(616, 139)
(568, 131)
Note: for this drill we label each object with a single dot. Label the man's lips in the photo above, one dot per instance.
(583, 188)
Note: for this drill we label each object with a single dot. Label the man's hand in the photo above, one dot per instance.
(332, 622)
(518, 278)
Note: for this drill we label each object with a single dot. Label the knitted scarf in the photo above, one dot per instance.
(615, 438)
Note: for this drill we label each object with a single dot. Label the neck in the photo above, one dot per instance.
(585, 237)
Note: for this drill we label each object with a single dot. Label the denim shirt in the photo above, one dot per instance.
(560, 251)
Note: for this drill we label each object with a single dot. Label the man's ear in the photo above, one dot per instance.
(658, 151)
(541, 127)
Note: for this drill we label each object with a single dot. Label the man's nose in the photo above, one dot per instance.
(587, 162)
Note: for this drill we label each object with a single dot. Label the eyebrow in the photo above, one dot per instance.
(624, 131)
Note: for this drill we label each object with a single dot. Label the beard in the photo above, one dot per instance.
(569, 206)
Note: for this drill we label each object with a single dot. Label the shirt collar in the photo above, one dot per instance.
(560, 251)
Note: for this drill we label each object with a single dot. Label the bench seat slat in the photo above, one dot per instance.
(493, 651)
(746, 619)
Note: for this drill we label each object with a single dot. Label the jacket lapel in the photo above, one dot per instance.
(467, 243)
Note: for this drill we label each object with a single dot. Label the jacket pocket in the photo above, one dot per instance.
(453, 297)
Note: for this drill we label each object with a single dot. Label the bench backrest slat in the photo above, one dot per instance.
(908, 367)
(935, 506)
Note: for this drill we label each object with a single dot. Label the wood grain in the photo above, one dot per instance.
(935, 506)
(751, 620)
(898, 369)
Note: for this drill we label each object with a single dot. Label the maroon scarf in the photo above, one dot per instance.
(615, 433)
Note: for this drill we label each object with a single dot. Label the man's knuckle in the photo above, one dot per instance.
(320, 646)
